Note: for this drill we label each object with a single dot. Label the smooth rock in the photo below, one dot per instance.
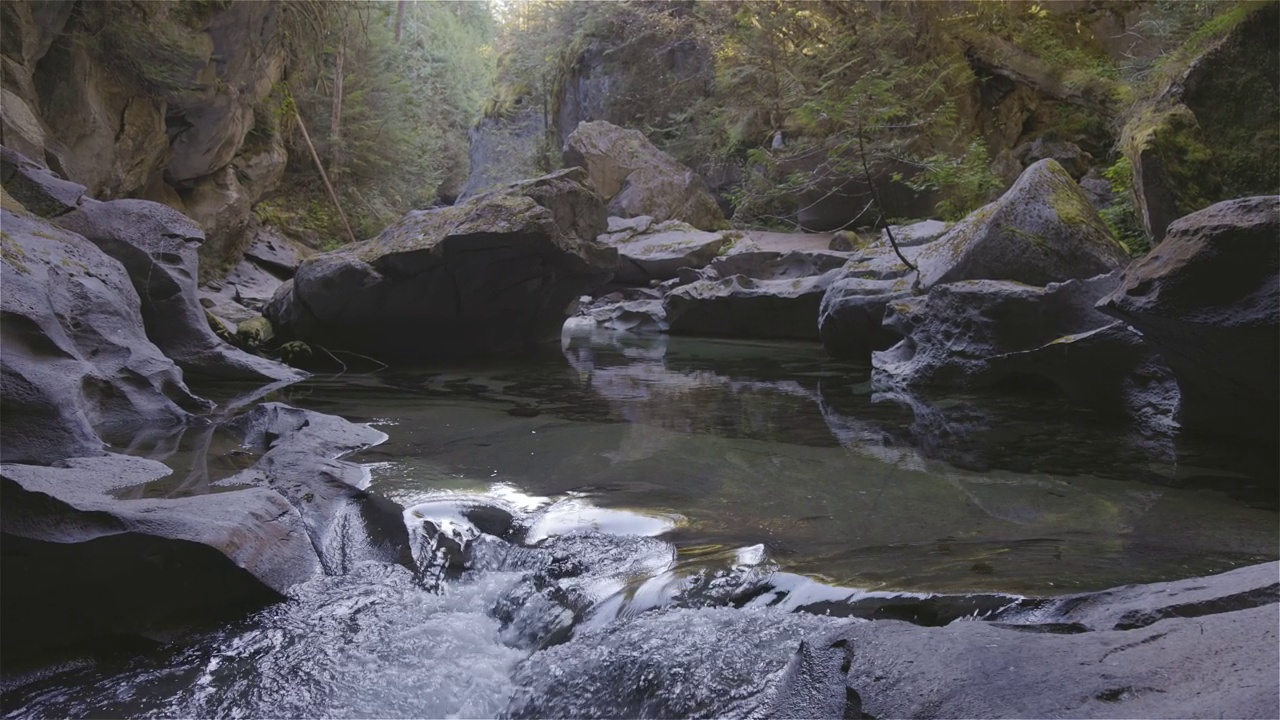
(74, 357)
(157, 245)
(660, 250)
(1044, 229)
(37, 188)
(851, 315)
(1208, 299)
(738, 306)
(635, 178)
(492, 275)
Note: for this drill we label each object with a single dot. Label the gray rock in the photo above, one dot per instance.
(738, 306)
(776, 265)
(1042, 230)
(1208, 299)
(504, 151)
(74, 358)
(157, 245)
(37, 188)
(1067, 154)
(495, 274)
(81, 565)
(915, 234)
(851, 315)
(635, 178)
(660, 251)
(950, 334)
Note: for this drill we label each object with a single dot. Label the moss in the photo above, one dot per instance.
(13, 254)
(1171, 138)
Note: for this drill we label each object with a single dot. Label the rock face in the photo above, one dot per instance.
(649, 251)
(1210, 135)
(1044, 229)
(73, 356)
(149, 100)
(635, 178)
(239, 296)
(1208, 299)
(495, 274)
(739, 306)
(81, 565)
(157, 246)
(504, 151)
(36, 188)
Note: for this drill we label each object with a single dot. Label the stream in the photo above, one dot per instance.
(675, 515)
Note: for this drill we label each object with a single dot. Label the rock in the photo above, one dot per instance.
(738, 306)
(301, 462)
(774, 265)
(951, 334)
(247, 287)
(635, 178)
(1210, 134)
(255, 332)
(1208, 299)
(851, 315)
(1042, 230)
(276, 253)
(1098, 189)
(81, 565)
(1067, 154)
(505, 151)
(492, 275)
(915, 234)
(39, 190)
(74, 357)
(659, 251)
(640, 316)
(156, 244)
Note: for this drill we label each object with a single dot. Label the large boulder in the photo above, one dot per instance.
(38, 189)
(1043, 230)
(81, 565)
(494, 274)
(1208, 299)
(74, 358)
(649, 251)
(635, 178)
(851, 315)
(994, 333)
(157, 245)
(739, 306)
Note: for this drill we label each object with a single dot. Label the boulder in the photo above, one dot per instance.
(37, 188)
(1067, 154)
(157, 245)
(81, 565)
(649, 252)
(1208, 299)
(851, 315)
(775, 265)
(74, 357)
(240, 295)
(1042, 230)
(635, 178)
(951, 334)
(494, 274)
(915, 234)
(738, 306)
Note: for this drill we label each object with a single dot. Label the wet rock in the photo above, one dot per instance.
(74, 358)
(301, 462)
(157, 245)
(37, 188)
(1208, 299)
(1042, 230)
(738, 306)
(660, 250)
(81, 565)
(495, 274)
(635, 178)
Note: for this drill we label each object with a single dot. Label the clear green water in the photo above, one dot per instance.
(741, 443)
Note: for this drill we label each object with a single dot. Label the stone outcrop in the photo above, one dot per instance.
(157, 246)
(635, 178)
(152, 100)
(740, 306)
(650, 251)
(503, 151)
(494, 274)
(74, 358)
(1044, 229)
(1211, 134)
(239, 296)
(1208, 299)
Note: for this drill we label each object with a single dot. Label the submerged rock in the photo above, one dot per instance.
(1043, 230)
(635, 178)
(495, 274)
(157, 245)
(74, 358)
(1208, 299)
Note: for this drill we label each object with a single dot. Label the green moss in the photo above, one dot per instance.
(13, 254)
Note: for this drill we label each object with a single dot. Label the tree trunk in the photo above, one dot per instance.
(315, 156)
(335, 117)
(400, 6)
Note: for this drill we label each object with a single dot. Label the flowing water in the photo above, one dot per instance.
(688, 510)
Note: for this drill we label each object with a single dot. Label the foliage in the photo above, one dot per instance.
(1122, 216)
(967, 178)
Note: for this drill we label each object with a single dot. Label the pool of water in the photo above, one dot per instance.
(678, 474)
